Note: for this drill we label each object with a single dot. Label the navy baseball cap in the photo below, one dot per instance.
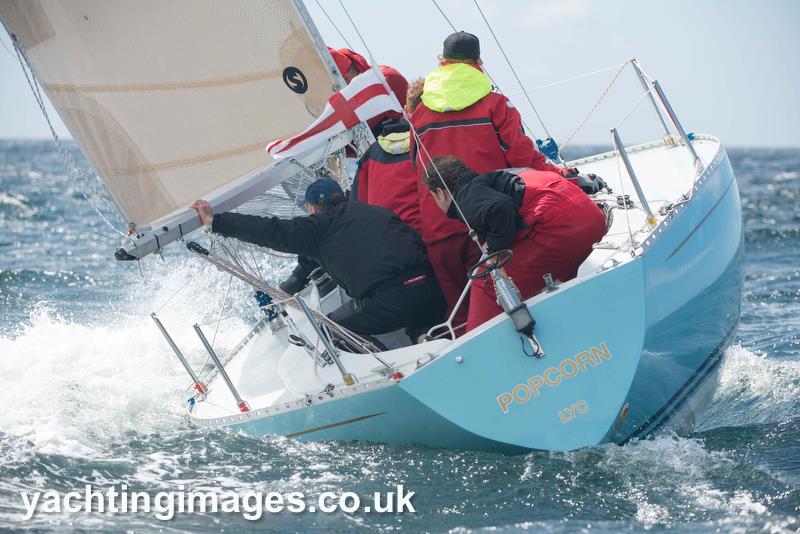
(461, 45)
(321, 192)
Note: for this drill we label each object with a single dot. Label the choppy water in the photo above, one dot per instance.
(90, 394)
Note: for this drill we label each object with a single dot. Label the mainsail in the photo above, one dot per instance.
(174, 101)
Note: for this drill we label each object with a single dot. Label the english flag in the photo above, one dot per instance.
(364, 97)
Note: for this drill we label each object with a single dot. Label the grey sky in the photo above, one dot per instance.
(729, 67)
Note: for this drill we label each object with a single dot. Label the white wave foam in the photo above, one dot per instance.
(689, 473)
(73, 389)
(18, 202)
(754, 389)
(786, 175)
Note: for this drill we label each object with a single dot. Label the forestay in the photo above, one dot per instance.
(174, 101)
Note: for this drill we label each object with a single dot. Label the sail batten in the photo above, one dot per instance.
(173, 101)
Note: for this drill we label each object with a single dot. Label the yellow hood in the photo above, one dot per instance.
(454, 87)
(395, 143)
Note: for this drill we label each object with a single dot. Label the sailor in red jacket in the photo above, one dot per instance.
(349, 62)
(549, 224)
(460, 115)
(385, 176)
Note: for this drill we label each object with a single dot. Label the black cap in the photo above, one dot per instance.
(461, 45)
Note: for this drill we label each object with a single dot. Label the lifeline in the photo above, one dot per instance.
(553, 376)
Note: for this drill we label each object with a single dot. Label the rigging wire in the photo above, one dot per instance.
(622, 189)
(335, 27)
(191, 280)
(513, 70)
(297, 191)
(3, 41)
(221, 311)
(483, 67)
(252, 251)
(408, 119)
(635, 107)
(445, 16)
(231, 317)
(567, 80)
(525, 91)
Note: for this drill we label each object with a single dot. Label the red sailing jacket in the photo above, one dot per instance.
(473, 123)
(503, 212)
(547, 195)
(385, 176)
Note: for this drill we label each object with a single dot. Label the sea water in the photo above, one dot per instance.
(90, 394)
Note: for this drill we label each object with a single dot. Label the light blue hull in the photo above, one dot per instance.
(628, 351)
(694, 274)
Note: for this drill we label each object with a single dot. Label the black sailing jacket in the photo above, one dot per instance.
(491, 202)
(360, 246)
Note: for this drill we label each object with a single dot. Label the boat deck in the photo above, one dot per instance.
(275, 376)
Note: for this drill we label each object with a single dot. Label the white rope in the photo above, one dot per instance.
(73, 170)
(595, 106)
(568, 80)
(274, 254)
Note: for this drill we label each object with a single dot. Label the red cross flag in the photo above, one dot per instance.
(364, 97)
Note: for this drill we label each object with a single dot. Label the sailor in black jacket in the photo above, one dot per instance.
(379, 260)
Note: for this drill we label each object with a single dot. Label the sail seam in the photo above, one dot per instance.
(188, 162)
(177, 86)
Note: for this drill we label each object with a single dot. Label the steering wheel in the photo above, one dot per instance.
(498, 259)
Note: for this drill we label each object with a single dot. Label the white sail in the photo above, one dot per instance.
(173, 101)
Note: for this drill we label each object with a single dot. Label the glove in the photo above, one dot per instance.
(293, 284)
(591, 183)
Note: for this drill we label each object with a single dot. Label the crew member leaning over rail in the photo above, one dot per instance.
(395, 195)
(461, 115)
(548, 223)
(375, 257)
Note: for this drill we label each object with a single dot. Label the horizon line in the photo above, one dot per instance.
(587, 144)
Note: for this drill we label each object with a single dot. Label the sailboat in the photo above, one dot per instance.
(169, 110)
